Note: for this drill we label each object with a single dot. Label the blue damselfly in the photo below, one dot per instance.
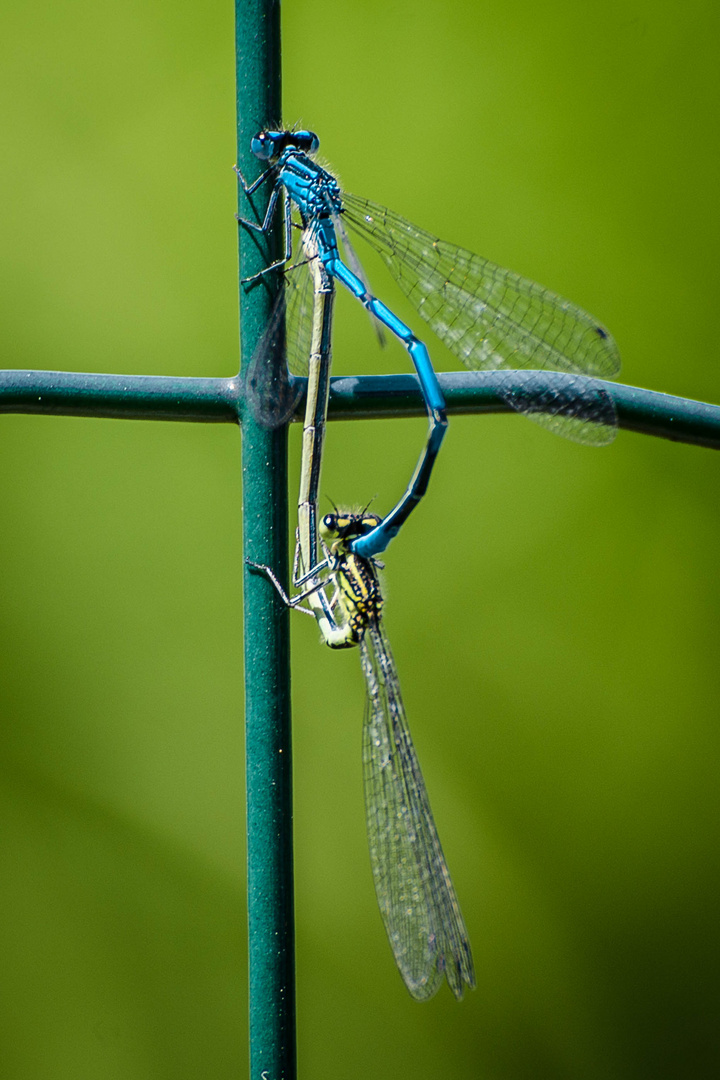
(489, 317)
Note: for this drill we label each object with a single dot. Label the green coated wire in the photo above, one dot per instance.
(352, 397)
(271, 948)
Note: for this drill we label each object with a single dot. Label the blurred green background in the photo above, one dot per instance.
(553, 609)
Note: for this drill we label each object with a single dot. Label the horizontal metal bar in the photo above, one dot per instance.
(644, 411)
(122, 397)
(363, 397)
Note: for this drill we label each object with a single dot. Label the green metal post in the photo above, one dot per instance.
(266, 627)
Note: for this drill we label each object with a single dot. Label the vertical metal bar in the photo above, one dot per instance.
(266, 628)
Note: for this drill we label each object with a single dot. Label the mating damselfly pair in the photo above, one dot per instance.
(492, 319)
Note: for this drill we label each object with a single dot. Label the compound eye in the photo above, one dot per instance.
(262, 147)
(329, 521)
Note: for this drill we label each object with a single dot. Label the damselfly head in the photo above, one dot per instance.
(269, 145)
(336, 529)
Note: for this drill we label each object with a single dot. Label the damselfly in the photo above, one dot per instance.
(489, 317)
(415, 893)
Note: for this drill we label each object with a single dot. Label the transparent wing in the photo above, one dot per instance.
(494, 319)
(358, 270)
(415, 894)
(284, 345)
(299, 290)
(580, 409)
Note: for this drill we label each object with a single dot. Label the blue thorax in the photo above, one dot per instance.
(314, 190)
